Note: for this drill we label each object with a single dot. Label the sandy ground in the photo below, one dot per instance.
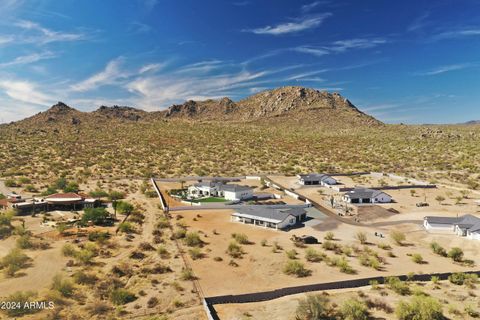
(260, 269)
(45, 265)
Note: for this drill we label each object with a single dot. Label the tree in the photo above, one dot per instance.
(420, 308)
(440, 199)
(353, 309)
(123, 207)
(398, 237)
(114, 196)
(71, 187)
(60, 183)
(456, 254)
(314, 307)
(98, 216)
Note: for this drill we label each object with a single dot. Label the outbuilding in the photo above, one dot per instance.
(316, 179)
(364, 195)
(270, 217)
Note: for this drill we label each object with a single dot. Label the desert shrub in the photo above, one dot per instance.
(68, 250)
(398, 237)
(438, 249)
(263, 243)
(121, 296)
(384, 246)
(329, 236)
(456, 254)
(329, 245)
(162, 223)
(126, 227)
(14, 261)
(240, 238)
(21, 298)
(24, 242)
(417, 258)
(196, 253)
(152, 302)
(163, 252)
(398, 286)
(85, 256)
(187, 274)
(84, 278)
(457, 278)
(353, 309)
(296, 268)
(419, 308)
(192, 239)
(314, 306)
(234, 250)
(99, 236)
(291, 254)
(179, 233)
(313, 255)
(343, 265)
(64, 286)
(361, 236)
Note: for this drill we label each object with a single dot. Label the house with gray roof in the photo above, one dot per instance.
(232, 192)
(466, 226)
(316, 179)
(270, 217)
(365, 195)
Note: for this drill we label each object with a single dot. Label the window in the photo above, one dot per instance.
(292, 220)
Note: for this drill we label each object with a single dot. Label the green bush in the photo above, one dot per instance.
(14, 261)
(313, 255)
(64, 286)
(196, 253)
(192, 239)
(398, 286)
(438, 249)
(456, 254)
(417, 258)
(296, 268)
(98, 216)
(420, 307)
(121, 296)
(353, 309)
(291, 254)
(240, 238)
(126, 227)
(21, 298)
(314, 307)
(234, 250)
(398, 237)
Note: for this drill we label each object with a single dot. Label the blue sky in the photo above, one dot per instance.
(401, 61)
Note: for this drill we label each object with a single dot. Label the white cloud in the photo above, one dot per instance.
(45, 35)
(455, 34)
(110, 75)
(27, 59)
(419, 23)
(447, 68)
(313, 51)
(4, 39)
(25, 91)
(313, 5)
(357, 43)
(152, 67)
(297, 25)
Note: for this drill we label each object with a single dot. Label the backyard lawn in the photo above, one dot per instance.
(210, 199)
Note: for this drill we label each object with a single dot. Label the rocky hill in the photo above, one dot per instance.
(289, 104)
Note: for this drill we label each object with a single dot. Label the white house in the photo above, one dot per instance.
(364, 195)
(232, 192)
(204, 189)
(269, 217)
(316, 179)
(465, 226)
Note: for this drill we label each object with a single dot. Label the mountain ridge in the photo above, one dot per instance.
(295, 104)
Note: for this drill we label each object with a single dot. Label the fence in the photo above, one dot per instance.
(346, 284)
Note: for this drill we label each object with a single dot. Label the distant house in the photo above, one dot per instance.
(316, 179)
(232, 192)
(269, 217)
(364, 195)
(465, 226)
(57, 201)
(4, 204)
